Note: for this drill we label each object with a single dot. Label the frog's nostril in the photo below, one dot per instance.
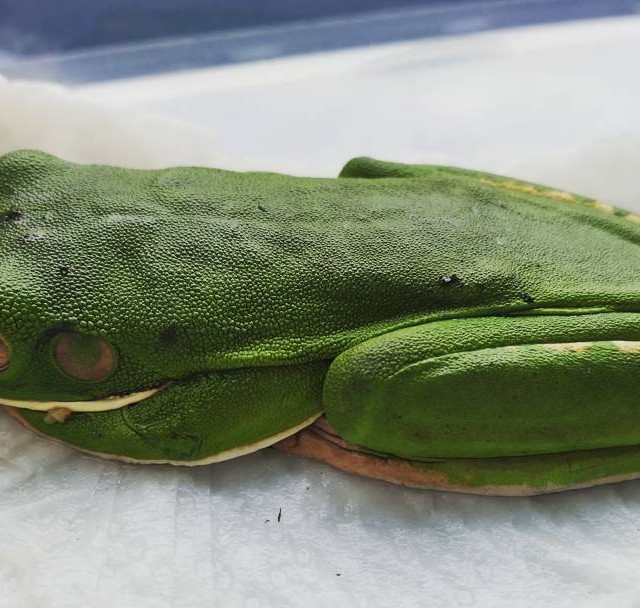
(5, 358)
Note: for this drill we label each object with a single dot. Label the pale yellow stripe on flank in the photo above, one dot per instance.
(632, 217)
(627, 346)
(575, 347)
(600, 206)
(557, 195)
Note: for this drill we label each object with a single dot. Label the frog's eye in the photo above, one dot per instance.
(5, 358)
(88, 358)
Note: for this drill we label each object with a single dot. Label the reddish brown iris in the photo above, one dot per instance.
(5, 359)
(83, 357)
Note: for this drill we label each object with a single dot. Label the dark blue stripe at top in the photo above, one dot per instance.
(82, 41)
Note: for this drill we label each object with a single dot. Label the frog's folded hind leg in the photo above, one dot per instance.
(494, 405)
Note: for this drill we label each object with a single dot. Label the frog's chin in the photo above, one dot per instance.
(112, 402)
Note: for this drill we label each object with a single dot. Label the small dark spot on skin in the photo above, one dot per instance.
(447, 280)
(169, 335)
(527, 298)
(279, 514)
(261, 208)
(338, 574)
(12, 216)
(266, 521)
(31, 238)
(63, 271)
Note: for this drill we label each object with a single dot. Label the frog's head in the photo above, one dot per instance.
(115, 289)
(85, 302)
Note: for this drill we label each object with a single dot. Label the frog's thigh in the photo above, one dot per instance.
(207, 418)
(506, 387)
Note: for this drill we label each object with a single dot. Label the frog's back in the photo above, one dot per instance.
(288, 268)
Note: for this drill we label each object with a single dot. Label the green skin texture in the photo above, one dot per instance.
(414, 305)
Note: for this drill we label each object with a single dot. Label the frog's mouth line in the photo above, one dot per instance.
(112, 402)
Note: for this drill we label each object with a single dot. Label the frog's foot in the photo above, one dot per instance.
(544, 474)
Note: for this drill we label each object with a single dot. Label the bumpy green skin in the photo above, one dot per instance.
(415, 305)
(515, 386)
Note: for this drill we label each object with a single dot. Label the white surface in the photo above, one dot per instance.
(559, 105)
(535, 101)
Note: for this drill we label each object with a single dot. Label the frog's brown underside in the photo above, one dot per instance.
(320, 442)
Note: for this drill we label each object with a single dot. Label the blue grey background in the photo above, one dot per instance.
(36, 26)
(89, 40)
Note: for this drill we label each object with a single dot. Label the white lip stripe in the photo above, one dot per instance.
(100, 405)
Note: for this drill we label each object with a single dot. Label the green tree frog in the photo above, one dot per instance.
(429, 326)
